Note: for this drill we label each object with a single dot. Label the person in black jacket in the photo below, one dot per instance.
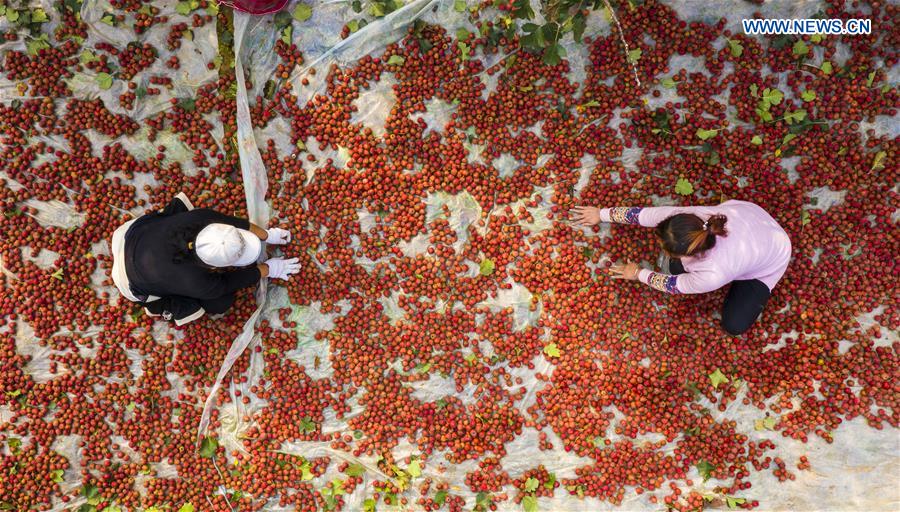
(182, 262)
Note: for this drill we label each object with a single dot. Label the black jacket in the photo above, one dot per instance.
(150, 254)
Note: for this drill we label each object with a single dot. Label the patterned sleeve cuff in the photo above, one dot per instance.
(662, 282)
(621, 214)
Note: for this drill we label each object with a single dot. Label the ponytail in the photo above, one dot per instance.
(686, 234)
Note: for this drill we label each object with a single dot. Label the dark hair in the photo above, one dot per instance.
(182, 243)
(686, 234)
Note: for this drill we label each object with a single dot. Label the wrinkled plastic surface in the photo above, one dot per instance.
(856, 472)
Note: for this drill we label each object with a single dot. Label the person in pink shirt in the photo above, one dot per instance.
(708, 247)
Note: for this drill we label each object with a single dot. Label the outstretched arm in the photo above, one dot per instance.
(690, 282)
(648, 216)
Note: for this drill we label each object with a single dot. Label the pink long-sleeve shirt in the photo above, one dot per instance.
(756, 247)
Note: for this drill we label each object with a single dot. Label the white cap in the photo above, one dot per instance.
(222, 245)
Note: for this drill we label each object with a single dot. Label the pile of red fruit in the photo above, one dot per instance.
(129, 399)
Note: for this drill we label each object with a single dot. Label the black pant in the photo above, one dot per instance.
(743, 303)
(177, 307)
(218, 305)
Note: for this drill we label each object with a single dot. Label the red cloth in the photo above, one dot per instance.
(258, 7)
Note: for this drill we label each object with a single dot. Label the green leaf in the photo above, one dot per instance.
(463, 50)
(14, 444)
(579, 24)
(634, 55)
(57, 476)
(706, 134)
(414, 469)
(668, 82)
(353, 25)
(787, 138)
(592, 103)
(188, 104)
(12, 15)
(816, 38)
(684, 187)
(531, 484)
(305, 473)
(768, 423)
(337, 487)
(187, 507)
(870, 79)
(705, 469)
(2, 10)
(529, 504)
(440, 497)
(111, 508)
(89, 491)
(737, 49)
(307, 425)
(39, 16)
(717, 377)
(369, 505)
(423, 368)
(733, 502)
(395, 60)
(355, 470)
(286, 34)
(552, 350)
(212, 8)
(86, 56)
(302, 12)
(827, 68)
(183, 8)
(808, 95)
(795, 116)
(878, 162)
(772, 96)
(459, 5)
(486, 267)
(553, 54)
(462, 34)
(756, 140)
(551, 482)
(483, 500)
(104, 80)
(764, 115)
(800, 49)
(33, 45)
(208, 447)
(58, 274)
(376, 9)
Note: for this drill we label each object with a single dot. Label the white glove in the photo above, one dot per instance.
(277, 236)
(280, 268)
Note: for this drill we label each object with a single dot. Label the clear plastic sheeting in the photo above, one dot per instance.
(192, 72)
(856, 472)
(56, 213)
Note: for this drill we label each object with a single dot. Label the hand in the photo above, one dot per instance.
(586, 215)
(627, 270)
(277, 236)
(280, 268)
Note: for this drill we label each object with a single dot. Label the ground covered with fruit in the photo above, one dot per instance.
(452, 342)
